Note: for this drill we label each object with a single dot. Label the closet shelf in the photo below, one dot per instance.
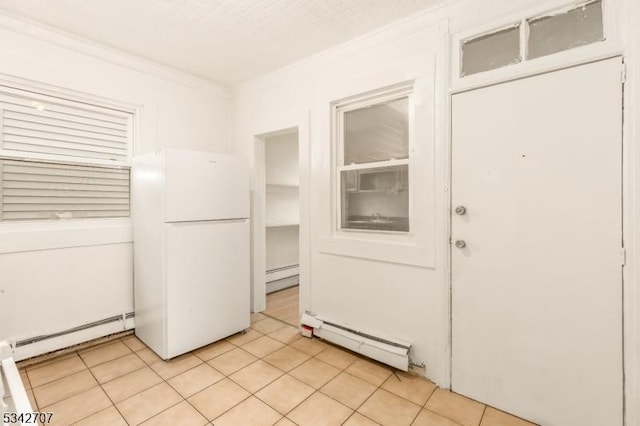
(282, 188)
(281, 225)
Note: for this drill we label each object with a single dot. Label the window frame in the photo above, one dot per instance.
(611, 45)
(41, 91)
(368, 99)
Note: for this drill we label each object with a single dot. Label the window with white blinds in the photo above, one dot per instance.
(32, 190)
(62, 158)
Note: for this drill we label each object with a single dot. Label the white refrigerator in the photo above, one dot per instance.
(191, 248)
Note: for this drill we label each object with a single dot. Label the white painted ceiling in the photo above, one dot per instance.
(228, 41)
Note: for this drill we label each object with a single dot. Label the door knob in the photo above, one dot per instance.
(460, 244)
(460, 210)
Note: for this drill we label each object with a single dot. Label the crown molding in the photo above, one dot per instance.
(83, 46)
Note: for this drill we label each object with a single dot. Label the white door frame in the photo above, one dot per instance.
(446, 87)
(259, 218)
(605, 108)
(258, 213)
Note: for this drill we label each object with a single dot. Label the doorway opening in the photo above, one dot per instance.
(276, 227)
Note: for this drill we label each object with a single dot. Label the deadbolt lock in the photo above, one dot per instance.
(460, 244)
(460, 210)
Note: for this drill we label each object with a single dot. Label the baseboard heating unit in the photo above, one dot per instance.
(389, 351)
(280, 278)
(14, 398)
(42, 344)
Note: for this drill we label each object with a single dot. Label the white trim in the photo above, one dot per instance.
(305, 250)
(371, 97)
(442, 163)
(69, 41)
(380, 246)
(24, 236)
(629, 18)
(258, 226)
(258, 213)
(38, 88)
(504, 75)
(375, 165)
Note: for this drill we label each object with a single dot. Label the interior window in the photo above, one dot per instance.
(377, 133)
(563, 31)
(532, 38)
(374, 166)
(62, 158)
(490, 51)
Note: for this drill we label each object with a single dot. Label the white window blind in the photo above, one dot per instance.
(34, 123)
(32, 190)
(62, 158)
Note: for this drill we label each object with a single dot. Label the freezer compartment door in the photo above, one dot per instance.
(208, 283)
(205, 186)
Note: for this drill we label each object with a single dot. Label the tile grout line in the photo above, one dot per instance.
(113, 404)
(61, 378)
(482, 416)
(424, 407)
(163, 380)
(344, 370)
(102, 389)
(26, 375)
(279, 377)
(186, 399)
(230, 379)
(174, 389)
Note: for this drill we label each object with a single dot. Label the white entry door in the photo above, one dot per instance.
(537, 287)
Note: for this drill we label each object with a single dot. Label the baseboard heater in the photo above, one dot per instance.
(389, 351)
(282, 272)
(14, 399)
(38, 345)
(280, 278)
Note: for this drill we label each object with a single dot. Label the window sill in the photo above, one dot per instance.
(383, 251)
(30, 236)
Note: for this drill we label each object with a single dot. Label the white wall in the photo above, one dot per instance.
(380, 297)
(74, 273)
(282, 247)
(281, 156)
(403, 295)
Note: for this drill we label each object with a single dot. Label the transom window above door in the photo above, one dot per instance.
(531, 38)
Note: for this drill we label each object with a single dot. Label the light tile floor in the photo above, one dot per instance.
(283, 305)
(269, 375)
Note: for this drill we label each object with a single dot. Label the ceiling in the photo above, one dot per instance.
(227, 41)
